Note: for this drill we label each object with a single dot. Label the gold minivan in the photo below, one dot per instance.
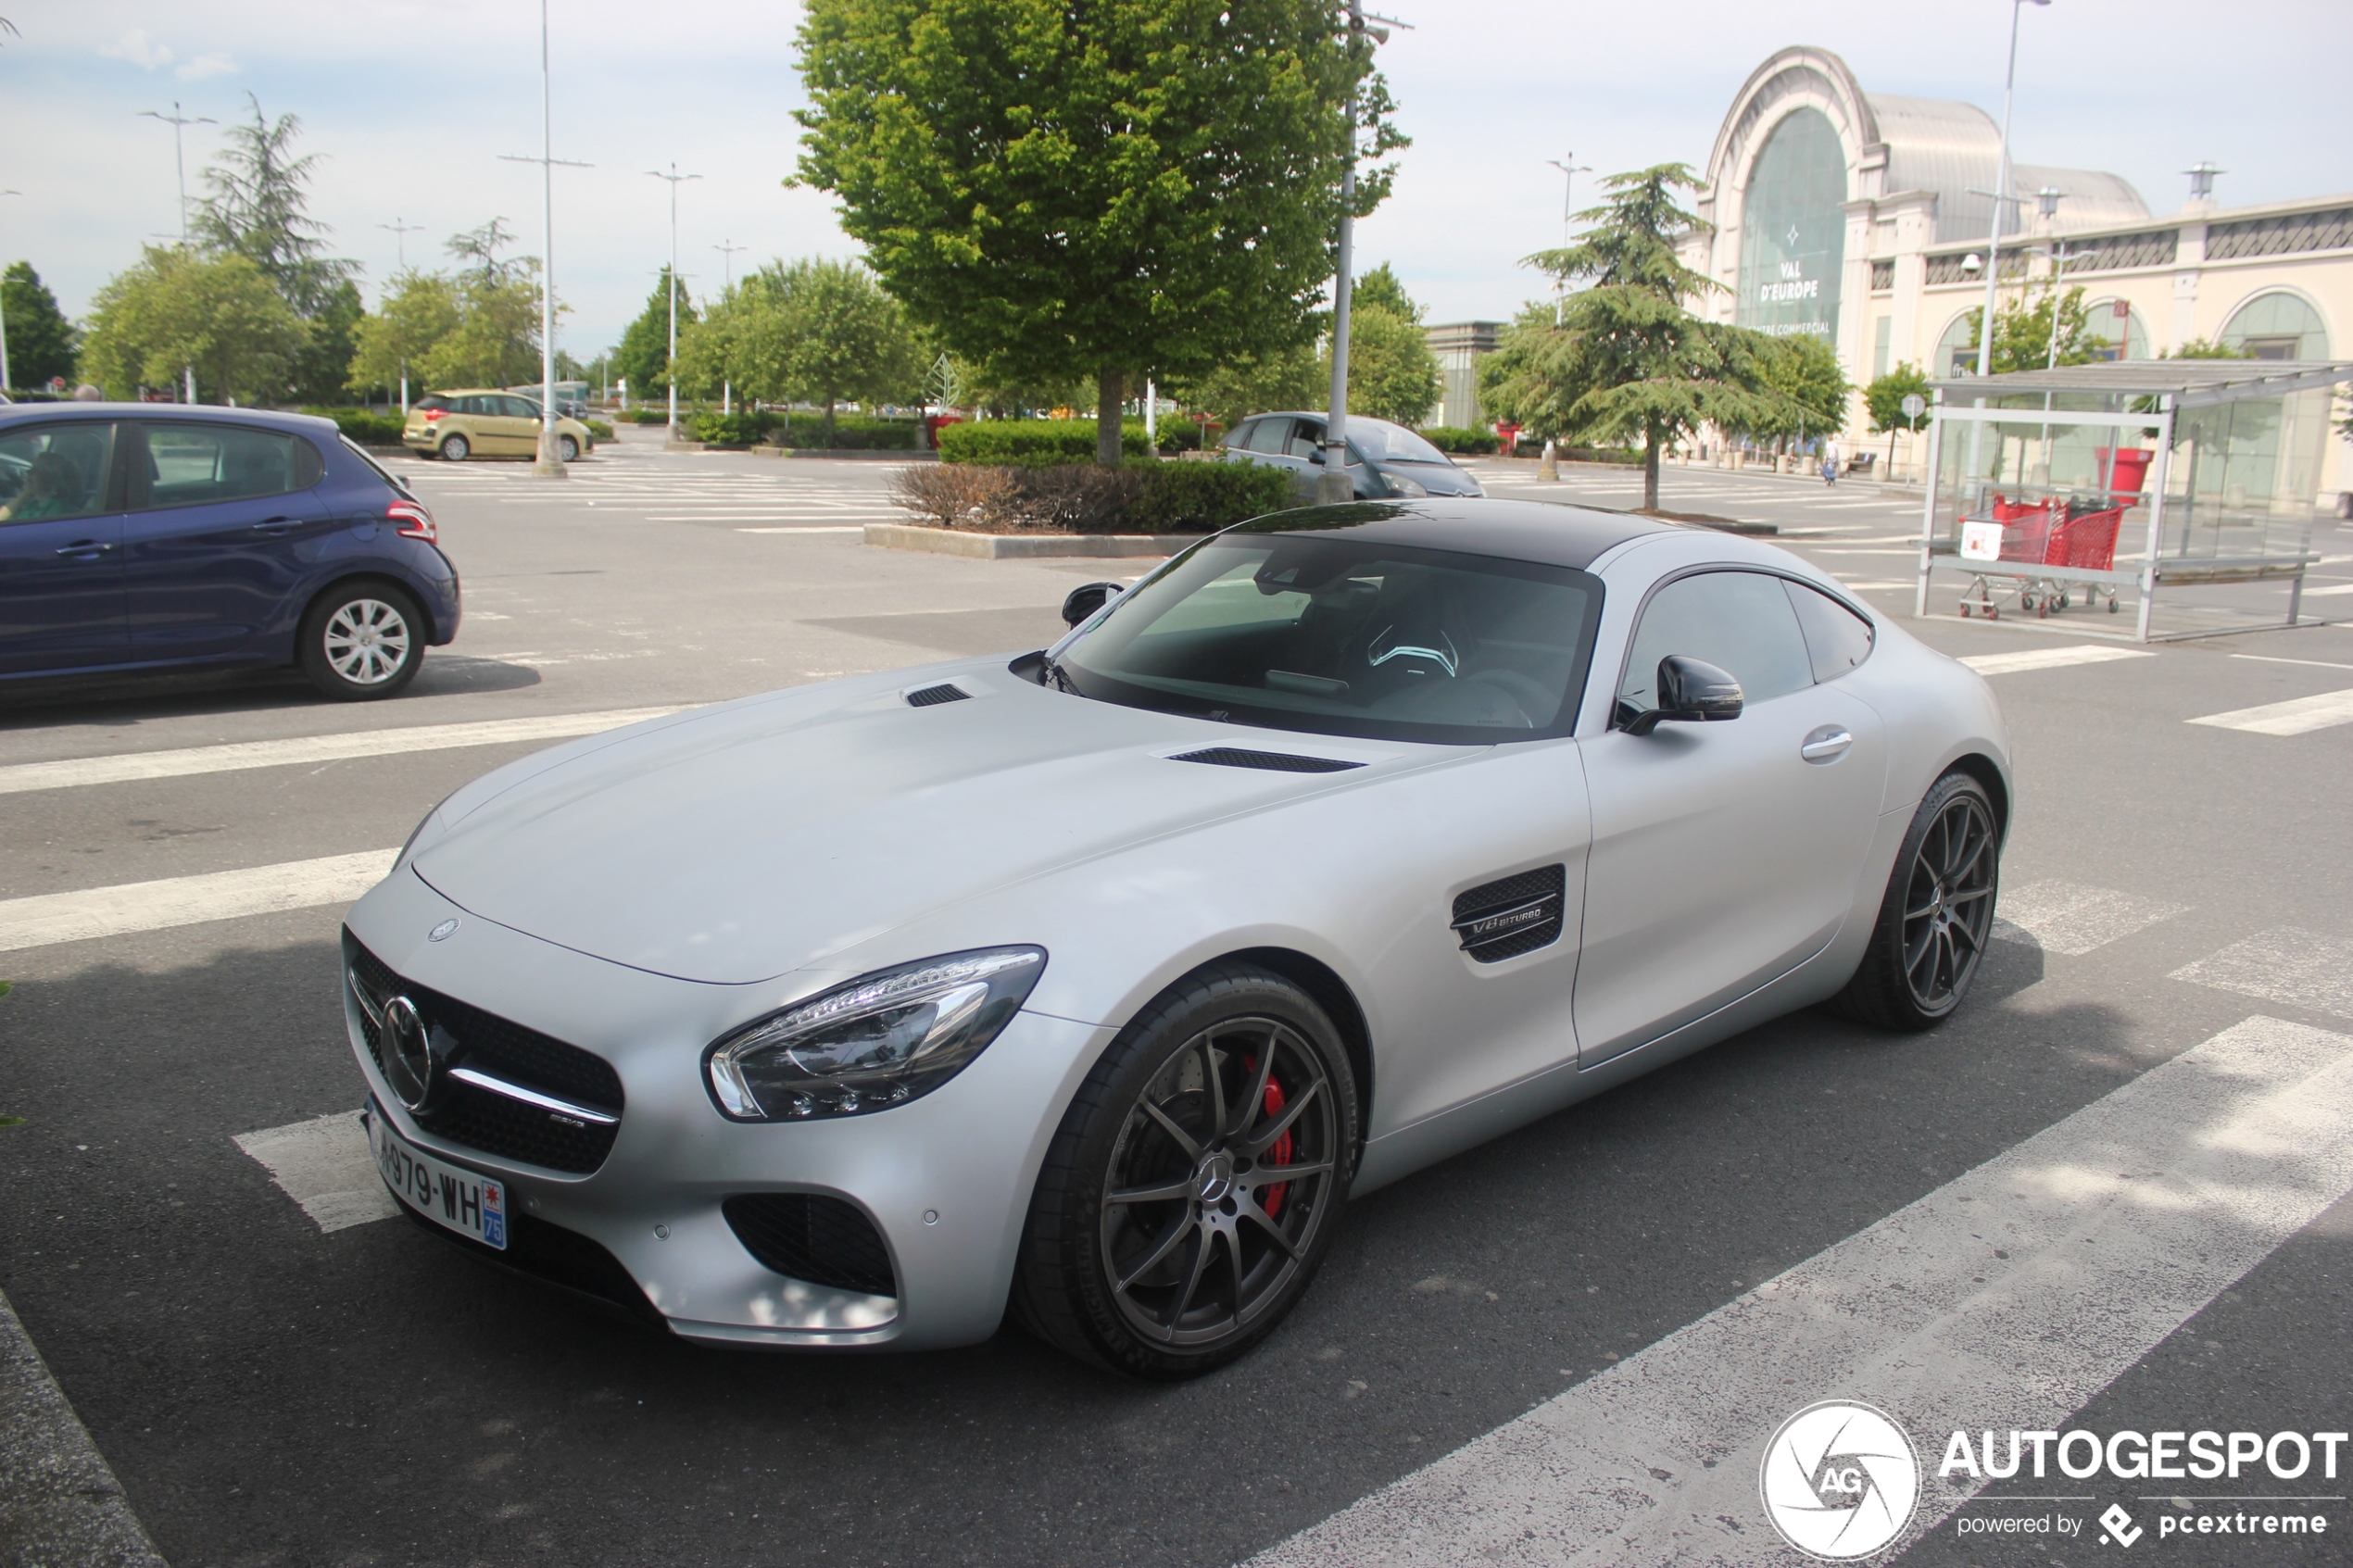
(486, 422)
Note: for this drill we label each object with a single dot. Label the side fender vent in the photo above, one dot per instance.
(1271, 761)
(1519, 914)
(932, 695)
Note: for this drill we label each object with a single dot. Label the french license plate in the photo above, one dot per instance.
(458, 1200)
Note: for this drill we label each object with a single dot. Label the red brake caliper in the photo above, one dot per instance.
(1278, 1152)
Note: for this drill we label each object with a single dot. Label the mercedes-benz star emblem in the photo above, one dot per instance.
(408, 1058)
(441, 933)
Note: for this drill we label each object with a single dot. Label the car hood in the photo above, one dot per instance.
(740, 843)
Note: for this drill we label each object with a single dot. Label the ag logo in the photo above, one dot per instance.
(1839, 1480)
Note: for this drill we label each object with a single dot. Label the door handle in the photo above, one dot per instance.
(1826, 744)
(275, 526)
(84, 549)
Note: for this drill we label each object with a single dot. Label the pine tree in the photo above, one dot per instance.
(43, 345)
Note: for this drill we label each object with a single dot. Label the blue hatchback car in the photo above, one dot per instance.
(163, 536)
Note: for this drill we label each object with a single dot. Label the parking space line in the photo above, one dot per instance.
(325, 1165)
(2069, 918)
(2009, 1298)
(47, 918)
(2294, 716)
(184, 761)
(2050, 658)
(2301, 968)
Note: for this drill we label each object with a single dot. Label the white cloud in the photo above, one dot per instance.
(139, 48)
(206, 64)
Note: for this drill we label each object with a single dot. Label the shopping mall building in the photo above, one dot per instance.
(1861, 216)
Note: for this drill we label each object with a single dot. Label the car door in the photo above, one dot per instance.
(1725, 854)
(224, 524)
(518, 425)
(61, 601)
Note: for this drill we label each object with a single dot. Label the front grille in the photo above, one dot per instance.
(1517, 914)
(1272, 762)
(933, 695)
(477, 1118)
(823, 1240)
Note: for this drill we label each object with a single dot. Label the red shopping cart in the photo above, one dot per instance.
(2049, 533)
(2026, 539)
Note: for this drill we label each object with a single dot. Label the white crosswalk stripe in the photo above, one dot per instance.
(2286, 964)
(2069, 918)
(2050, 658)
(325, 1165)
(47, 918)
(2294, 716)
(184, 762)
(2009, 1298)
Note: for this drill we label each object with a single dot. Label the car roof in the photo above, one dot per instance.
(309, 424)
(1529, 531)
(1323, 414)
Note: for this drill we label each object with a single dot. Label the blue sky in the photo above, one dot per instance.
(412, 100)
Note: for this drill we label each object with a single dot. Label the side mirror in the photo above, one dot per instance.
(1316, 456)
(1086, 598)
(1690, 691)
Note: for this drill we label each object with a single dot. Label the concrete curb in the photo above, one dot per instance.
(1023, 546)
(904, 454)
(59, 1502)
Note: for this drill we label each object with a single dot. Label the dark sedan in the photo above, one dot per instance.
(136, 537)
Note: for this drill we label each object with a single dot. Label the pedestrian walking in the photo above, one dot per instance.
(1830, 462)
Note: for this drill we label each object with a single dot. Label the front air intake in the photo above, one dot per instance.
(931, 696)
(1271, 761)
(1519, 914)
(826, 1241)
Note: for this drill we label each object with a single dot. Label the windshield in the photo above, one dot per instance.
(1386, 443)
(1381, 641)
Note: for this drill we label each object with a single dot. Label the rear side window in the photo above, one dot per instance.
(1740, 622)
(432, 403)
(1836, 637)
(1268, 436)
(195, 465)
(54, 472)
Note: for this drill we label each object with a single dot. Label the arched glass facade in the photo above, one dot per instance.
(2117, 326)
(2277, 326)
(1792, 229)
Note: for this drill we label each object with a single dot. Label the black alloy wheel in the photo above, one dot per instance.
(1196, 1182)
(1938, 914)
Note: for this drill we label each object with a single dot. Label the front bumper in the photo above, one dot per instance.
(945, 1180)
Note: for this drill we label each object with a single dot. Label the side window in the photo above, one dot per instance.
(1837, 638)
(1740, 622)
(54, 471)
(517, 408)
(1306, 440)
(1238, 438)
(1268, 436)
(196, 465)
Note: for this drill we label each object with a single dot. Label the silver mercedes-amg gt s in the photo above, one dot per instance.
(1094, 981)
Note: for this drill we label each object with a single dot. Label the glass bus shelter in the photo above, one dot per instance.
(2110, 486)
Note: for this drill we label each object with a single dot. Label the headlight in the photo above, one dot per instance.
(881, 1040)
(1403, 486)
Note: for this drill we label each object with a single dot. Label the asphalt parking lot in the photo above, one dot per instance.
(272, 1391)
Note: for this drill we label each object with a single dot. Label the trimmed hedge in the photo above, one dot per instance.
(1199, 498)
(1031, 442)
(598, 429)
(361, 425)
(1144, 495)
(851, 433)
(648, 416)
(1457, 438)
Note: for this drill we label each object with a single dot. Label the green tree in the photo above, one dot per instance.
(1624, 359)
(322, 372)
(1062, 191)
(1293, 377)
(2201, 349)
(42, 342)
(1392, 373)
(418, 312)
(496, 341)
(218, 314)
(1884, 399)
(1804, 370)
(643, 356)
(2022, 333)
(850, 341)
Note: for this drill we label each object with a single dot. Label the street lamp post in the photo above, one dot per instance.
(2002, 198)
(1334, 484)
(550, 463)
(727, 282)
(401, 229)
(4, 380)
(675, 180)
(1549, 467)
(180, 164)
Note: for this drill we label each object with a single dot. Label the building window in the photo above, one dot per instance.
(2116, 330)
(2277, 326)
(1957, 350)
(1880, 337)
(1882, 276)
(1793, 230)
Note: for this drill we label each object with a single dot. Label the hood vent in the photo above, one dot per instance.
(932, 695)
(1519, 914)
(1271, 761)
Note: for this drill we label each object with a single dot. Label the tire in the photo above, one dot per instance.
(1153, 1246)
(1937, 916)
(456, 448)
(567, 449)
(362, 641)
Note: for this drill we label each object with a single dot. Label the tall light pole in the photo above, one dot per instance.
(1334, 484)
(401, 229)
(727, 280)
(4, 380)
(550, 464)
(2001, 198)
(675, 180)
(1570, 168)
(179, 154)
